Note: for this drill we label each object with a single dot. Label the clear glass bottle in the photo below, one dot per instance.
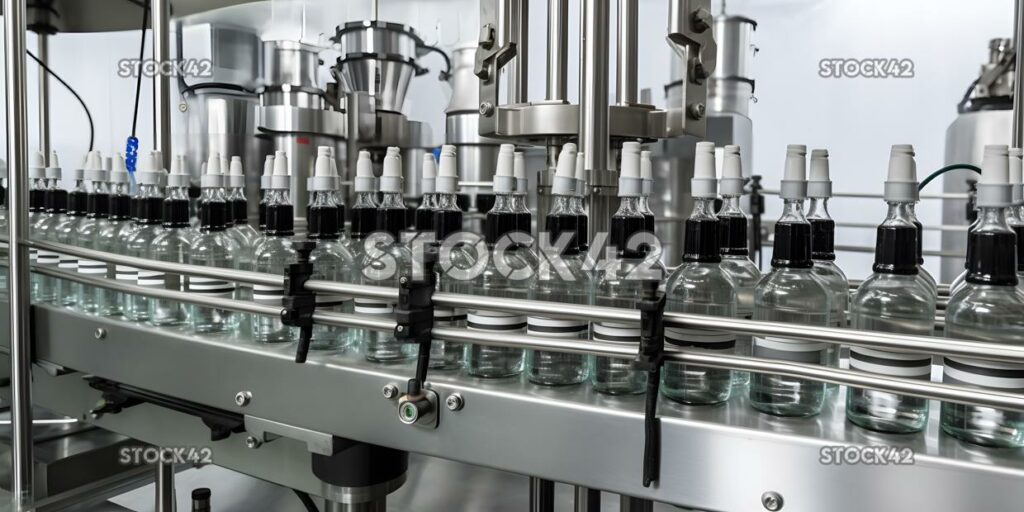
(56, 200)
(149, 205)
(579, 207)
(507, 273)
(700, 286)
(238, 212)
(523, 215)
(791, 293)
(736, 263)
(894, 300)
(560, 277)
(111, 237)
(64, 233)
(331, 257)
(173, 244)
(94, 300)
(647, 188)
(619, 281)
(213, 247)
(36, 217)
(424, 215)
(447, 221)
(268, 171)
(274, 252)
(987, 308)
(1015, 213)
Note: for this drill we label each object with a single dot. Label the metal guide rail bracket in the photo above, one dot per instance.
(650, 358)
(300, 303)
(414, 316)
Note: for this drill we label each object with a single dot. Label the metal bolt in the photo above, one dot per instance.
(454, 402)
(242, 398)
(390, 391)
(486, 109)
(182, 107)
(772, 501)
(99, 333)
(702, 19)
(252, 442)
(403, 280)
(400, 328)
(696, 110)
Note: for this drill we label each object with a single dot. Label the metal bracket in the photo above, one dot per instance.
(690, 34)
(300, 303)
(650, 359)
(268, 430)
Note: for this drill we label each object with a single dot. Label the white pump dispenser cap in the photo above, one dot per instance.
(213, 176)
(581, 175)
(794, 181)
(732, 172)
(391, 180)
(1016, 175)
(820, 184)
(447, 181)
(646, 173)
(268, 171)
(428, 172)
(37, 166)
(94, 170)
(365, 180)
(704, 184)
(901, 182)
(148, 172)
(519, 171)
(504, 180)
(119, 173)
(323, 178)
(994, 190)
(281, 179)
(564, 183)
(53, 168)
(234, 174)
(629, 170)
(178, 177)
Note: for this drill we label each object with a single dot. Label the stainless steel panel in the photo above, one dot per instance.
(289, 63)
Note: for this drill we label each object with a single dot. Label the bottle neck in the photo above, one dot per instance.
(627, 222)
(98, 200)
(213, 210)
(701, 234)
(792, 247)
(732, 228)
(363, 215)
(280, 214)
(563, 221)
(823, 230)
(393, 215)
(896, 243)
(992, 248)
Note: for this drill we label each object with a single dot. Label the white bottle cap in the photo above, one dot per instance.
(564, 182)
(148, 172)
(581, 175)
(323, 178)
(365, 181)
(94, 170)
(53, 169)
(391, 180)
(37, 165)
(119, 173)
(794, 181)
(1016, 175)
(704, 184)
(282, 178)
(428, 172)
(504, 179)
(646, 173)
(447, 181)
(108, 163)
(268, 171)
(732, 172)
(235, 175)
(994, 189)
(820, 184)
(212, 176)
(901, 181)
(629, 170)
(178, 177)
(519, 171)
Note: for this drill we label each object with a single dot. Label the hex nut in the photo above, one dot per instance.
(390, 391)
(454, 402)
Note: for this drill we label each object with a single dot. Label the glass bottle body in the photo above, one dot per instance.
(332, 261)
(744, 276)
(93, 300)
(275, 253)
(560, 279)
(508, 273)
(136, 307)
(381, 262)
(619, 283)
(213, 248)
(172, 244)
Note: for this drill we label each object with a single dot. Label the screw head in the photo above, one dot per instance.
(697, 110)
(242, 398)
(454, 402)
(486, 109)
(252, 442)
(182, 107)
(400, 328)
(772, 501)
(390, 391)
(99, 333)
(702, 20)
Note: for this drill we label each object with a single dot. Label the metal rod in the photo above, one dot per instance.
(43, 54)
(558, 50)
(165, 501)
(869, 195)
(1018, 75)
(586, 500)
(518, 69)
(240, 276)
(631, 504)
(22, 478)
(594, 86)
(161, 23)
(869, 249)
(626, 53)
(542, 495)
(941, 227)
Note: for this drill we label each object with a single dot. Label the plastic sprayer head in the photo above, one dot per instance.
(365, 181)
(704, 183)
(630, 184)
(37, 165)
(794, 178)
(391, 179)
(53, 169)
(149, 172)
(519, 171)
(732, 171)
(447, 181)
(213, 175)
(564, 183)
(1017, 175)
(428, 173)
(994, 189)
(178, 177)
(820, 184)
(323, 179)
(119, 171)
(504, 174)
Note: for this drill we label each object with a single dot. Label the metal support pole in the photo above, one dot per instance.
(165, 501)
(542, 495)
(1018, 76)
(517, 22)
(558, 50)
(22, 478)
(626, 53)
(594, 111)
(43, 54)
(631, 504)
(587, 500)
(161, 22)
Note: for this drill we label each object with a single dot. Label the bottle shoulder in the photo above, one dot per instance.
(800, 283)
(884, 290)
(703, 283)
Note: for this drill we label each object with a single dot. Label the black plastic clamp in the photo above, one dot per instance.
(756, 213)
(414, 316)
(650, 358)
(299, 303)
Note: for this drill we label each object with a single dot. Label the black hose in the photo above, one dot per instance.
(138, 80)
(306, 501)
(445, 75)
(88, 115)
(944, 170)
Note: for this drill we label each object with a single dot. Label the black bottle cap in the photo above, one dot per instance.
(499, 225)
(701, 241)
(77, 203)
(36, 200)
(98, 205)
(393, 221)
(623, 229)
(176, 213)
(557, 226)
(896, 250)
(120, 207)
(823, 236)
(151, 210)
(280, 220)
(1019, 231)
(732, 235)
(792, 247)
(920, 242)
(213, 215)
(447, 222)
(240, 211)
(993, 258)
(323, 222)
(364, 221)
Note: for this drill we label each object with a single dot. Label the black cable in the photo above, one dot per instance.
(88, 115)
(447, 73)
(142, 55)
(944, 170)
(306, 501)
(140, 3)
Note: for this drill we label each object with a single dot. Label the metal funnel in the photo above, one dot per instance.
(378, 58)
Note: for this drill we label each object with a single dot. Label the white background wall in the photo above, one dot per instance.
(856, 119)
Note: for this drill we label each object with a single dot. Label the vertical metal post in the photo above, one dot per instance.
(160, 12)
(22, 478)
(517, 23)
(43, 54)
(165, 501)
(542, 495)
(1018, 76)
(594, 111)
(587, 500)
(631, 504)
(558, 50)
(626, 53)
(374, 10)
